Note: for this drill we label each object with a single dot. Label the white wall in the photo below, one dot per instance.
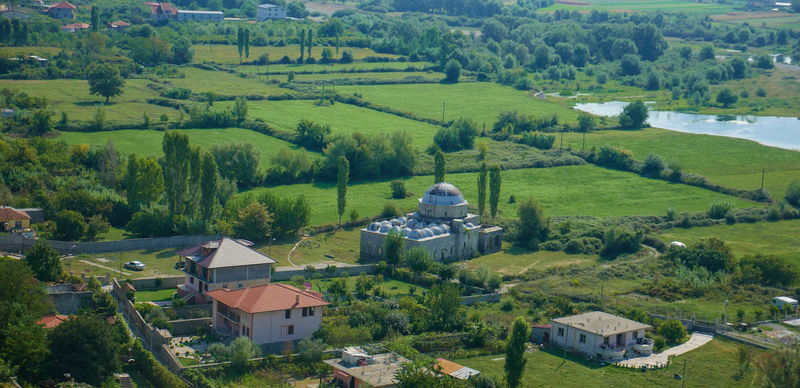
(571, 339)
(270, 327)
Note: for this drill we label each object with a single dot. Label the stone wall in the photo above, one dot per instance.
(19, 243)
(153, 283)
(188, 327)
(489, 298)
(69, 303)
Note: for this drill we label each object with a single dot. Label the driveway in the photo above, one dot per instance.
(659, 359)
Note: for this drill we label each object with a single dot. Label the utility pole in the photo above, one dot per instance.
(442, 112)
(561, 147)
(683, 376)
(583, 147)
(762, 179)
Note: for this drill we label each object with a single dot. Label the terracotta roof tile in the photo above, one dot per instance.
(51, 321)
(9, 213)
(64, 4)
(270, 297)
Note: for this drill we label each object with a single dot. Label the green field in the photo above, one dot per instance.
(221, 82)
(391, 287)
(772, 238)
(148, 142)
(514, 260)
(343, 118)
(72, 97)
(686, 6)
(726, 161)
(155, 296)
(571, 190)
(229, 53)
(31, 50)
(157, 263)
(382, 75)
(338, 67)
(712, 365)
(479, 101)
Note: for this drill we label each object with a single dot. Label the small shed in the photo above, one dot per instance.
(780, 301)
(540, 334)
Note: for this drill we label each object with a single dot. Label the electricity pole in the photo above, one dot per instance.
(442, 112)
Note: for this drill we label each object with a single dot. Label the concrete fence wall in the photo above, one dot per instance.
(489, 298)
(153, 283)
(19, 243)
(286, 273)
(188, 327)
(69, 303)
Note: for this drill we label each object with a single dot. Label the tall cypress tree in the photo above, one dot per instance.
(176, 169)
(438, 167)
(342, 177)
(482, 189)
(240, 42)
(209, 183)
(515, 352)
(494, 189)
(95, 19)
(247, 43)
(310, 41)
(302, 44)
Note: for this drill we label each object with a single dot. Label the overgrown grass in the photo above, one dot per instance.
(342, 244)
(479, 101)
(514, 260)
(686, 6)
(230, 54)
(571, 190)
(391, 287)
(726, 161)
(221, 82)
(155, 296)
(148, 142)
(382, 75)
(158, 263)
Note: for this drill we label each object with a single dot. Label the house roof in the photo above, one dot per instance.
(63, 4)
(267, 6)
(456, 370)
(380, 372)
(163, 7)
(75, 26)
(51, 321)
(785, 299)
(189, 12)
(225, 252)
(547, 326)
(600, 323)
(270, 297)
(120, 23)
(9, 213)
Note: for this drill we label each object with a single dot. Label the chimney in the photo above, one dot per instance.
(297, 299)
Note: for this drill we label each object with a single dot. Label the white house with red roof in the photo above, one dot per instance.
(62, 10)
(268, 314)
(161, 11)
(223, 263)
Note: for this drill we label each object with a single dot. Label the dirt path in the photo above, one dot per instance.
(289, 256)
(105, 268)
(657, 359)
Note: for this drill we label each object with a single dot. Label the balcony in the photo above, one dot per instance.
(611, 353)
(643, 346)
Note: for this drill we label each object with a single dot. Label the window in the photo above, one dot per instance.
(635, 335)
(308, 311)
(619, 339)
(605, 341)
(305, 311)
(287, 330)
(191, 280)
(583, 338)
(288, 314)
(205, 287)
(224, 286)
(560, 331)
(17, 224)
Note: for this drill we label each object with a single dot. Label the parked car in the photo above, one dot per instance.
(135, 265)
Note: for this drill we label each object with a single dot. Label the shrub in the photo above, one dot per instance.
(719, 210)
(633, 116)
(178, 93)
(452, 71)
(653, 165)
(347, 57)
(618, 241)
(672, 330)
(615, 157)
(398, 189)
(793, 194)
(459, 136)
(584, 245)
(551, 245)
(761, 92)
(659, 343)
(390, 210)
(538, 140)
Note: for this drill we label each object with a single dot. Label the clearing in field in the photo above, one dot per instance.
(726, 161)
(229, 54)
(221, 82)
(479, 101)
(157, 263)
(769, 238)
(571, 190)
(514, 260)
(343, 118)
(72, 97)
(148, 142)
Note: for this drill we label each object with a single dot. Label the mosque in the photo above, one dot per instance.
(442, 225)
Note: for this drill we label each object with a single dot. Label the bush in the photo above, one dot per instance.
(793, 194)
(70, 225)
(615, 157)
(584, 245)
(618, 241)
(390, 210)
(398, 189)
(673, 331)
(551, 245)
(459, 136)
(452, 71)
(653, 165)
(538, 140)
(633, 116)
(719, 210)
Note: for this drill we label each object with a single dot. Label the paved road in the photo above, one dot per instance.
(695, 341)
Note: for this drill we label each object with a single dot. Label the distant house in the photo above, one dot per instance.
(161, 11)
(780, 301)
(268, 314)
(270, 11)
(36, 213)
(52, 321)
(356, 368)
(10, 13)
(7, 112)
(224, 263)
(600, 335)
(540, 334)
(13, 219)
(62, 10)
(454, 370)
(200, 16)
(119, 25)
(75, 27)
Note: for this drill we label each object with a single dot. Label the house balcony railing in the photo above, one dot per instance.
(608, 352)
(643, 346)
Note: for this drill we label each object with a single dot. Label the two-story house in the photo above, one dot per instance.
(62, 10)
(224, 263)
(13, 219)
(268, 314)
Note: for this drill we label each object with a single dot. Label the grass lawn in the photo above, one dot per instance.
(221, 82)
(229, 53)
(772, 238)
(158, 263)
(479, 101)
(712, 365)
(391, 287)
(154, 296)
(382, 75)
(186, 361)
(343, 245)
(72, 97)
(727, 161)
(148, 142)
(685, 6)
(338, 67)
(31, 50)
(343, 118)
(571, 190)
(514, 260)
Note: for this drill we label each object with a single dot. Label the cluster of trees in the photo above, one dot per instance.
(513, 122)
(14, 32)
(458, 136)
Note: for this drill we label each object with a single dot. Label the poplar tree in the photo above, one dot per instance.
(515, 352)
(438, 167)
(302, 43)
(240, 42)
(209, 183)
(482, 189)
(95, 19)
(176, 169)
(195, 173)
(494, 189)
(342, 177)
(310, 41)
(247, 43)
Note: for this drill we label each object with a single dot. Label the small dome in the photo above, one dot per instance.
(406, 231)
(437, 230)
(411, 223)
(402, 220)
(396, 222)
(427, 232)
(443, 193)
(385, 228)
(414, 234)
(445, 227)
(374, 226)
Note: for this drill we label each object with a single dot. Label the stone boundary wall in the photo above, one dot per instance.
(187, 327)
(152, 283)
(18, 243)
(489, 298)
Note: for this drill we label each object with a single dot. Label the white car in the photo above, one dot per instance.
(135, 265)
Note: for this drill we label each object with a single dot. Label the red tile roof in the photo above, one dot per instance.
(271, 297)
(64, 4)
(75, 26)
(51, 321)
(9, 213)
(120, 23)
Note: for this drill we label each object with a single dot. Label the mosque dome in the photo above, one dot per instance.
(443, 193)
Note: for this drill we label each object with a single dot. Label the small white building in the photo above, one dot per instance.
(200, 16)
(600, 335)
(269, 314)
(270, 11)
(357, 369)
(780, 301)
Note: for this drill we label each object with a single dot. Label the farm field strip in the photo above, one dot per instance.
(229, 54)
